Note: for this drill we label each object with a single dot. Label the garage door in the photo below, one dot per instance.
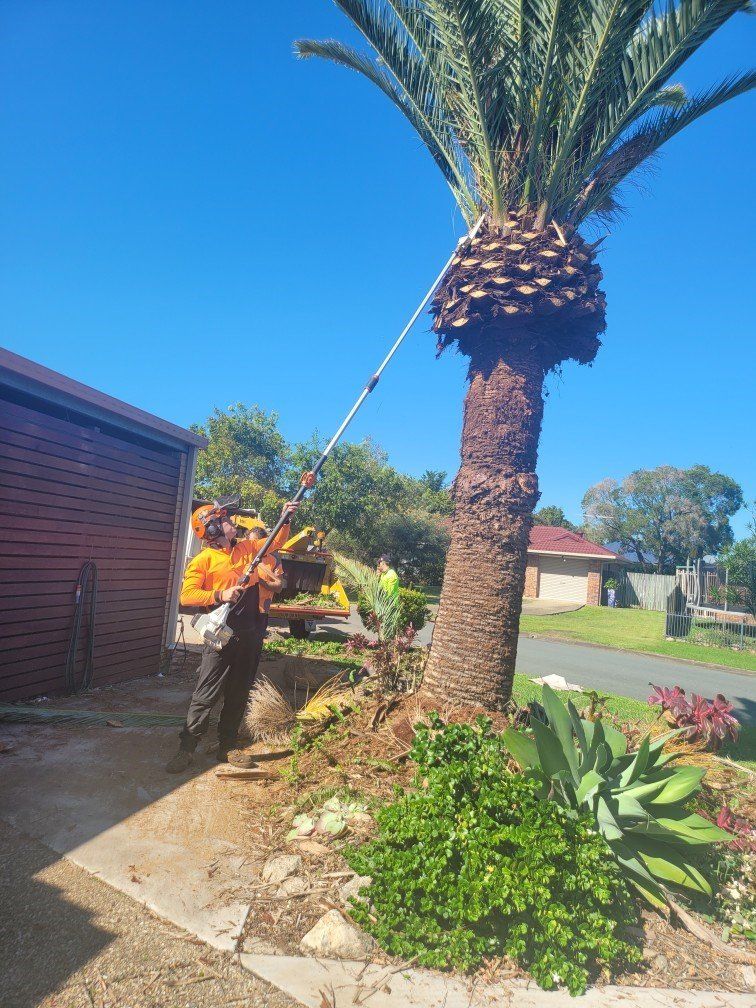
(563, 579)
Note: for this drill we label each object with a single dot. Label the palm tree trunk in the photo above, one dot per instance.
(472, 658)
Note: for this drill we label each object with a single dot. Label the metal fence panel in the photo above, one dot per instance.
(710, 631)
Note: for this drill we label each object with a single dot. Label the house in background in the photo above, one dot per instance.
(565, 566)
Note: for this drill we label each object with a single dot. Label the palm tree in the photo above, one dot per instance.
(535, 111)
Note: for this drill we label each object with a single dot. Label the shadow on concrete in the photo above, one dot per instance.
(45, 937)
(100, 796)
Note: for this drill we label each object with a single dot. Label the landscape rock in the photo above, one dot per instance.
(333, 937)
(277, 868)
(294, 885)
(351, 889)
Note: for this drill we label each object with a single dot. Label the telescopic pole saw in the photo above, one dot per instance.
(211, 627)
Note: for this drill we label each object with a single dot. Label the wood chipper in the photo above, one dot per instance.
(311, 589)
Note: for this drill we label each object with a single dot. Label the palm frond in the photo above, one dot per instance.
(524, 102)
(439, 145)
(386, 606)
(655, 131)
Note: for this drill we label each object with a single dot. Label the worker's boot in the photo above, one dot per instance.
(180, 762)
(236, 757)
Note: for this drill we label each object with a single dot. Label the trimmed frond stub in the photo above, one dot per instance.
(543, 293)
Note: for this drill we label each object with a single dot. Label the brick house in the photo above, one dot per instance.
(565, 566)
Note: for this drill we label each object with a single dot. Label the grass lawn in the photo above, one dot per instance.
(630, 630)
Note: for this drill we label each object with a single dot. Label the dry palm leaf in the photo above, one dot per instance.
(269, 714)
(332, 695)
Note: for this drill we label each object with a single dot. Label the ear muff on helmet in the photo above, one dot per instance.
(207, 522)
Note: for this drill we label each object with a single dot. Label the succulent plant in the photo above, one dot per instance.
(332, 820)
(638, 801)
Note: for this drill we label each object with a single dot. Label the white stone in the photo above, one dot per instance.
(558, 682)
(335, 937)
(351, 889)
(277, 868)
(294, 885)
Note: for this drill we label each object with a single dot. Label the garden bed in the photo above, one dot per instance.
(365, 756)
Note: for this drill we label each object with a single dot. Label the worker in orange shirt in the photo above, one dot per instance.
(211, 578)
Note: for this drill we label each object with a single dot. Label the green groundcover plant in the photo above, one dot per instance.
(639, 804)
(472, 864)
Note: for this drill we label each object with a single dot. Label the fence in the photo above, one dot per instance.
(708, 630)
(645, 591)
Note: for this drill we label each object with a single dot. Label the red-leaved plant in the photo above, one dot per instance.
(744, 836)
(712, 721)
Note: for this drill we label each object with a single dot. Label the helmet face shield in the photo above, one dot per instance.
(207, 522)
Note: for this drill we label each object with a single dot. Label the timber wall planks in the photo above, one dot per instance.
(70, 492)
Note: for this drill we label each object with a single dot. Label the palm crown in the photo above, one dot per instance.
(546, 103)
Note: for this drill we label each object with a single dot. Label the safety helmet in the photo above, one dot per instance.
(207, 520)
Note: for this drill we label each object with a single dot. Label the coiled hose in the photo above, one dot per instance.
(87, 582)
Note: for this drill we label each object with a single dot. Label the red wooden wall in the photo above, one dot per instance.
(70, 492)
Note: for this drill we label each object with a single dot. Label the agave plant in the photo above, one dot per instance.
(639, 802)
(536, 112)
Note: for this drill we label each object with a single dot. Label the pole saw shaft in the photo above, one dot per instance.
(374, 379)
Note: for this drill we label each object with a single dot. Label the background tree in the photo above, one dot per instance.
(417, 544)
(247, 455)
(554, 516)
(664, 516)
(535, 113)
(434, 492)
(355, 490)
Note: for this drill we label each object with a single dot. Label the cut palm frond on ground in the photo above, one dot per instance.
(270, 717)
(536, 115)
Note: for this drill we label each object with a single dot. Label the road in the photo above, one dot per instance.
(622, 672)
(628, 674)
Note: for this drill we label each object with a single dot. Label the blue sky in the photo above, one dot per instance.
(177, 190)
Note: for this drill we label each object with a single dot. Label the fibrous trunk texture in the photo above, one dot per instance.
(474, 647)
(517, 301)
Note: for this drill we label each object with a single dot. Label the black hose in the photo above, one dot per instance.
(87, 581)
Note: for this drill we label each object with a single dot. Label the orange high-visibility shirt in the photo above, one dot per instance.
(215, 569)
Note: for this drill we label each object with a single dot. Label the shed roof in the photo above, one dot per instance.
(553, 539)
(34, 379)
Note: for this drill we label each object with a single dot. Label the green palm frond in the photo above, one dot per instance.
(537, 102)
(386, 606)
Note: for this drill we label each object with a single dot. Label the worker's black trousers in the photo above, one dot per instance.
(231, 673)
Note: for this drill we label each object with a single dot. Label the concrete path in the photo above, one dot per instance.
(100, 797)
(343, 984)
(71, 941)
(628, 674)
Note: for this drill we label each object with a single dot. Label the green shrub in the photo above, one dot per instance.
(414, 609)
(638, 803)
(475, 865)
